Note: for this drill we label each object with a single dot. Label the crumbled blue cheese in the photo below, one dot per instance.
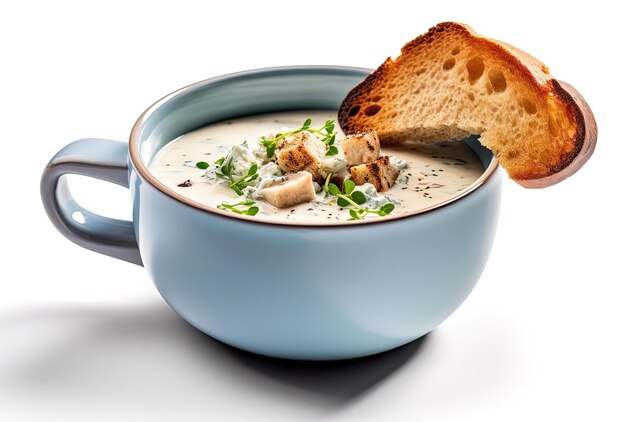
(269, 175)
(317, 187)
(398, 163)
(242, 158)
(334, 165)
(269, 170)
(374, 199)
(261, 152)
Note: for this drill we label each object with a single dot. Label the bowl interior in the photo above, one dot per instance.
(242, 94)
(247, 93)
(254, 92)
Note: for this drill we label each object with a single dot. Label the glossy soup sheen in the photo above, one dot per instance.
(435, 173)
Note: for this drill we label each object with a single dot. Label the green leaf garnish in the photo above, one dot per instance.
(202, 165)
(387, 208)
(329, 126)
(237, 185)
(333, 189)
(358, 197)
(342, 202)
(244, 207)
(349, 186)
(252, 211)
(325, 134)
(354, 199)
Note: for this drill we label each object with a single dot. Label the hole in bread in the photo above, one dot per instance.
(420, 71)
(456, 50)
(512, 154)
(498, 82)
(449, 64)
(529, 106)
(470, 96)
(475, 68)
(372, 110)
(353, 111)
(377, 98)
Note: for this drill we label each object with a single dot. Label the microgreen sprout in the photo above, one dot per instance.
(244, 207)
(354, 199)
(326, 134)
(226, 171)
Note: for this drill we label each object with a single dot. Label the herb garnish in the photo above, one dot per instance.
(245, 207)
(226, 171)
(326, 134)
(354, 199)
(202, 165)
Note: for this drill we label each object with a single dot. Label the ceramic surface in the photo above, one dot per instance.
(260, 286)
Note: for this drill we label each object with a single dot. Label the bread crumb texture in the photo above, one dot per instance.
(451, 83)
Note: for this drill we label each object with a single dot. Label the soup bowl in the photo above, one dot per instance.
(296, 291)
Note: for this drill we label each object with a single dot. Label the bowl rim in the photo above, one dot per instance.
(144, 173)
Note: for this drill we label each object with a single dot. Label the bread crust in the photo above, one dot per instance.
(534, 75)
(585, 139)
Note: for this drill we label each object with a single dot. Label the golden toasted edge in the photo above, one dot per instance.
(585, 138)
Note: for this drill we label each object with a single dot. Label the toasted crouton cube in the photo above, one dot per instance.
(302, 151)
(361, 148)
(380, 173)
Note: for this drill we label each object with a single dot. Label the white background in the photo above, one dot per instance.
(86, 337)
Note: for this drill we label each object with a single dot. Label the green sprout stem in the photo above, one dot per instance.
(355, 199)
(326, 134)
(244, 207)
(226, 171)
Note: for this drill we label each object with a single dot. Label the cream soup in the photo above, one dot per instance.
(428, 174)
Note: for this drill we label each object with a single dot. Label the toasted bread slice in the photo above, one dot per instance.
(451, 83)
(380, 173)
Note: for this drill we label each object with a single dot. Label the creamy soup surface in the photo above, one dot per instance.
(432, 173)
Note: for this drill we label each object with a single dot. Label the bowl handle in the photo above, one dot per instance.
(102, 159)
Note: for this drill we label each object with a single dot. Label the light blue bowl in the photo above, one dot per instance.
(265, 287)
